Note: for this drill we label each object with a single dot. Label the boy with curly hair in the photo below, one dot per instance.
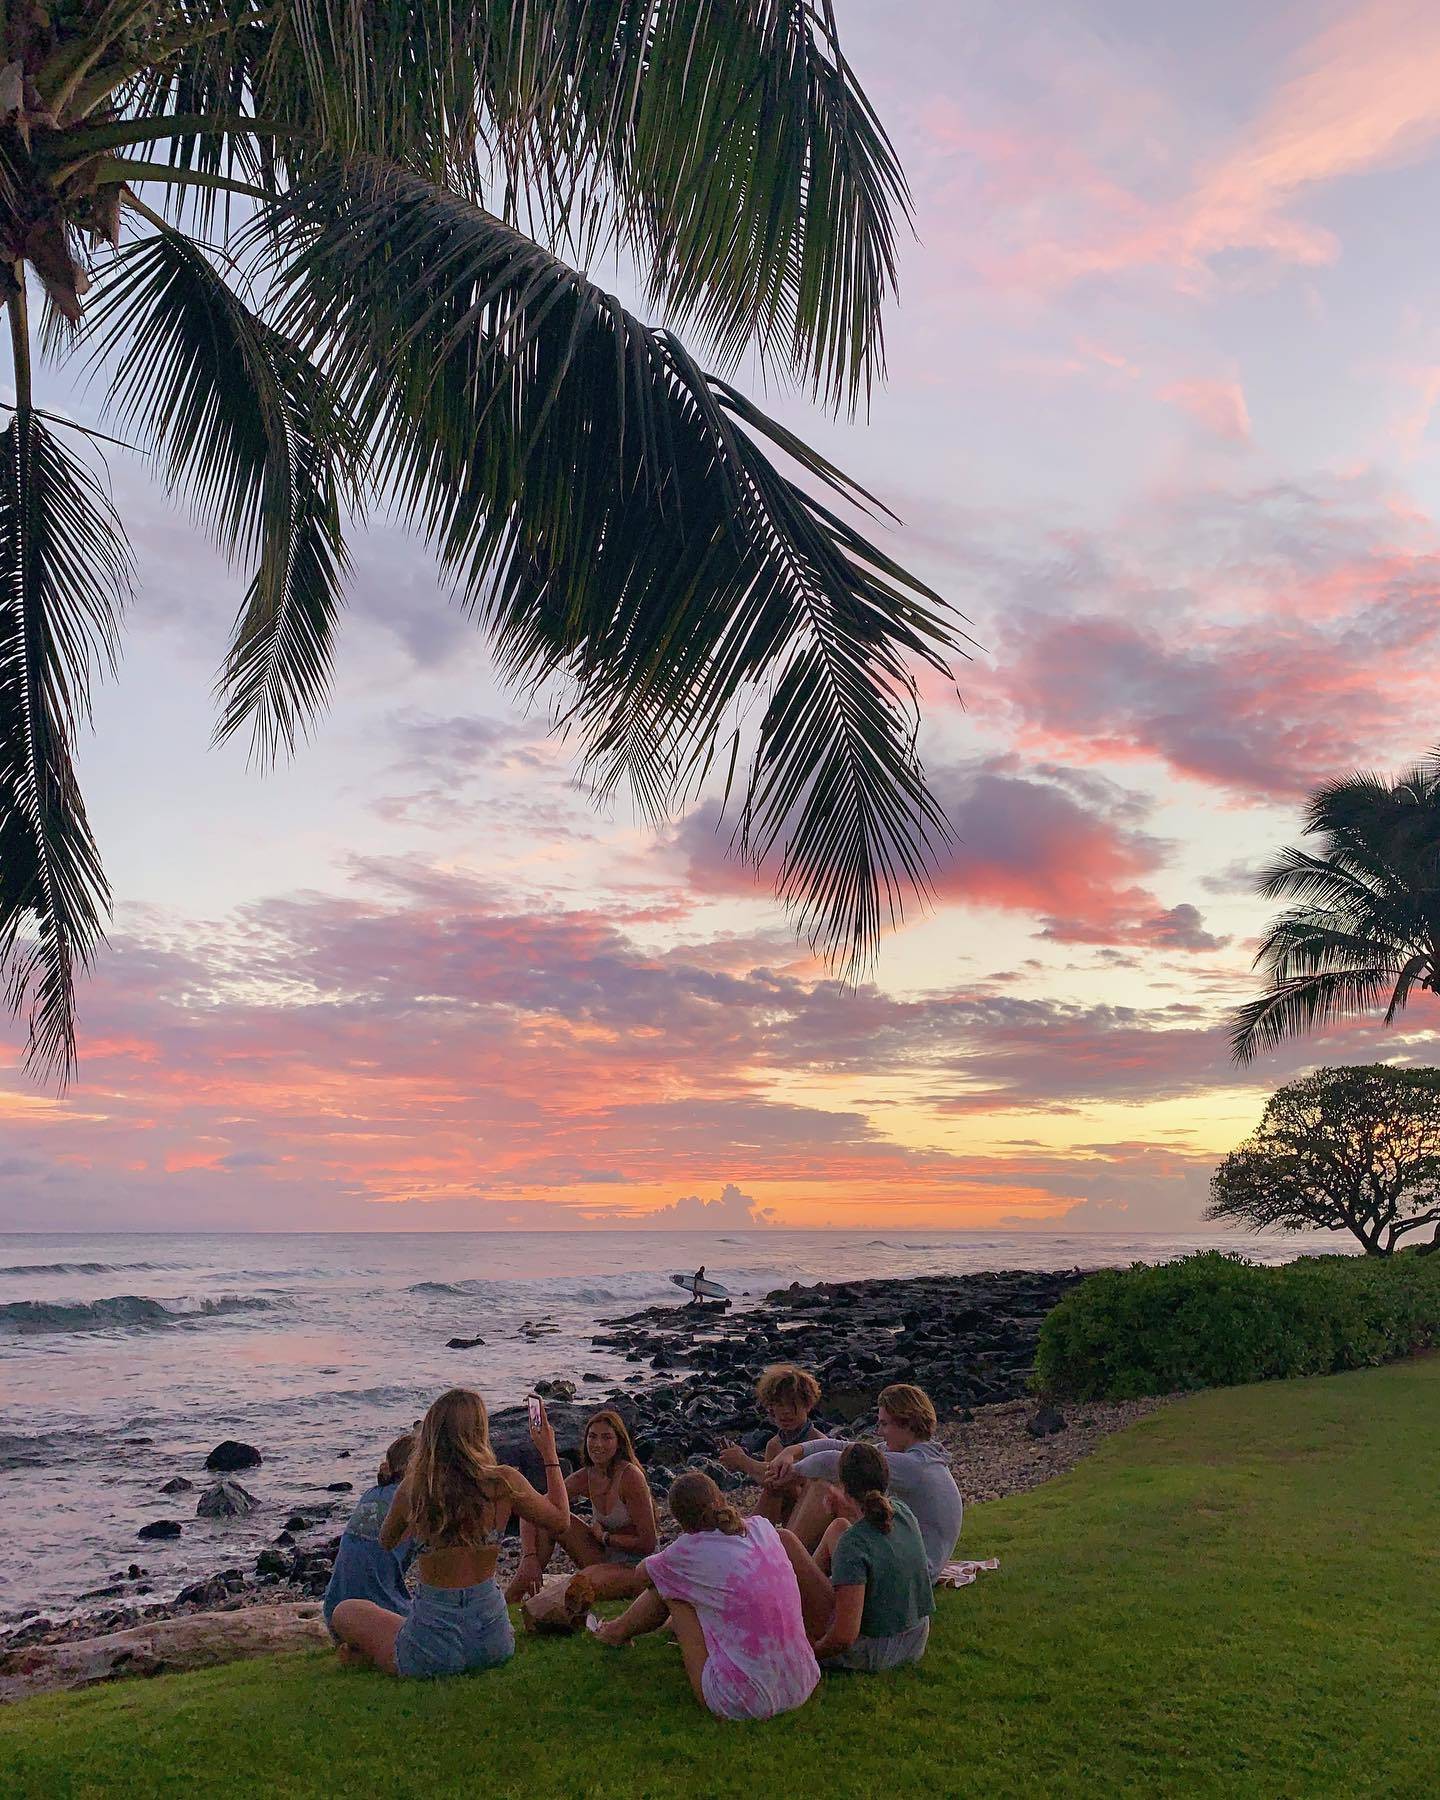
(788, 1395)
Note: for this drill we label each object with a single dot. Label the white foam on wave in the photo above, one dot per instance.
(33, 1317)
(85, 1268)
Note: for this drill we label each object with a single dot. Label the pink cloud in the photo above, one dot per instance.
(1360, 94)
(1264, 708)
(1218, 406)
(316, 1057)
(1061, 844)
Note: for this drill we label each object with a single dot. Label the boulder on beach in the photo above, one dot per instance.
(225, 1500)
(160, 1528)
(230, 1455)
(1046, 1421)
(338, 1487)
(177, 1484)
(464, 1343)
(555, 1390)
(849, 1403)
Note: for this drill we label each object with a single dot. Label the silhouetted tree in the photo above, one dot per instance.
(1348, 1149)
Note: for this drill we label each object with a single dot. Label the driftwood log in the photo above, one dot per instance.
(163, 1647)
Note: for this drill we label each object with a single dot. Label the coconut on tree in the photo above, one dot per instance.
(1363, 931)
(331, 257)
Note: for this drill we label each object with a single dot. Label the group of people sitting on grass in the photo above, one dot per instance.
(834, 1569)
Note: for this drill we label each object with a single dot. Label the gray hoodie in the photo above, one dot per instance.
(920, 1476)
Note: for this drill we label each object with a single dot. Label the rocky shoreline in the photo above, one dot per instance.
(969, 1340)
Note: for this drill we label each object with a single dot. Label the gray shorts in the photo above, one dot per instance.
(450, 1630)
(872, 1656)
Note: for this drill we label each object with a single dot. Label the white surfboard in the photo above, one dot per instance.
(709, 1290)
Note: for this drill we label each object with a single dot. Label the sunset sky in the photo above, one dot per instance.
(1163, 420)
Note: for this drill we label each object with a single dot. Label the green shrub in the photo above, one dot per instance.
(1213, 1320)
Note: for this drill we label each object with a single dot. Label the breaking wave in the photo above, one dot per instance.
(558, 1290)
(82, 1268)
(32, 1317)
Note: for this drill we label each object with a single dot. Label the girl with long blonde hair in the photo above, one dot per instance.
(455, 1501)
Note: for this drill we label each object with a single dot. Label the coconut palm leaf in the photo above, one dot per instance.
(746, 171)
(1365, 929)
(627, 525)
(65, 574)
(613, 518)
(725, 144)
(256, 436)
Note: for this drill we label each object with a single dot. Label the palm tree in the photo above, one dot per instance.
(1366, 926)
(329, 254)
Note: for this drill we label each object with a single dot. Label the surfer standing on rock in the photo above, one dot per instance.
(695, 1281)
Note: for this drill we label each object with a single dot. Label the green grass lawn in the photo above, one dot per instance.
(1240, 1595)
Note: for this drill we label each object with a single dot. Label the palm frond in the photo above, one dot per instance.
(65, 574)
(1306, 1003)
(612, 515)
(748, 172)
(725, 144)
(1310, 940)
(1418, 971)
(255, 434)
(1369, 914)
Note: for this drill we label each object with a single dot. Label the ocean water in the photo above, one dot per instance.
(125, 1358)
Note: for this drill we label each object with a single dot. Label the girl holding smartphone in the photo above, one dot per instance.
(622, 1529)
(455, 1501)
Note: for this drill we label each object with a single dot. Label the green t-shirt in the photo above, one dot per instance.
(891, 1567)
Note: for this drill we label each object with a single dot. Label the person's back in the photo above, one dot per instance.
(745, 1595)
(921, 1477)
(454, 1501)
(364, 1569)
(893, 1569)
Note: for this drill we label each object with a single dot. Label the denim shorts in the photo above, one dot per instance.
(450, 1630)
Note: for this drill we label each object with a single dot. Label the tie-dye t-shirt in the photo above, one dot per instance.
(744, 1591)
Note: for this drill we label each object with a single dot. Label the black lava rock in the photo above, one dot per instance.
(297, 1522)
(177, 1484)
(160, 1528)
(226, 1500)
(272, 1562)
(464, 1343)
(209, 1592)
(339, 1487)
(231, 1455)
(1045, 1421)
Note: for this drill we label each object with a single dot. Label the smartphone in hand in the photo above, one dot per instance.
(537, 1411)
